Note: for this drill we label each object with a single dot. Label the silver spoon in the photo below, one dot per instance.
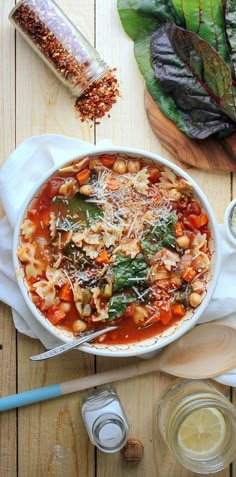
(72, 344)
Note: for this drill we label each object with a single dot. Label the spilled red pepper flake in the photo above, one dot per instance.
(98, 98)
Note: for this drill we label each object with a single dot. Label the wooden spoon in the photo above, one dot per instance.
(205, 351)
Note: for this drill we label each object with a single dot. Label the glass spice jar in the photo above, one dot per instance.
(198, 425)
(59, 43)
(105, 419)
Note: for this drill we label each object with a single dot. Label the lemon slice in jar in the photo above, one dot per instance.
(203, 432)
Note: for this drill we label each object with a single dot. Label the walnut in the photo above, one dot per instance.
(133, 451)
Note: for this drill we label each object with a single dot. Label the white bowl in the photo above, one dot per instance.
(155, 343)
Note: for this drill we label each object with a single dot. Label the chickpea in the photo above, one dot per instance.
(195, 299)
(86, 190)
(65, 306)
(133, 165)
(119, 167)
(183, 242)
(174, 194)
(198, 286)
(79, 325)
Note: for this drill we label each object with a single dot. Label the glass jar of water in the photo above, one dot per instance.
(198, 425)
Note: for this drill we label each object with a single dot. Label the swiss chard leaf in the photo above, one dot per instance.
(161, 236)
(165, 101)
(117, 305)
(129, 272)
(182, 62)
(141, 17)
(206, 18)
(207, 66)
(230, 23)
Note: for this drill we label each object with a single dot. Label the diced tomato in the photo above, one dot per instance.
(53, 186)
(55, 314)
(194, 220)
(206, 230)
(130, 309)
(66, 293)
(153, 174)
(193, 208)
(165, 315)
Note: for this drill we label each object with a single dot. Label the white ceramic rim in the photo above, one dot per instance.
(171, 334)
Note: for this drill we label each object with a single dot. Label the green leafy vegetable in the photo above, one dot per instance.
(207, 65)
(206, 78)
(117, 305)
(161, 236)
(88, 212)
(141, 17)
(179, 61)
(129, 272)
(165, 102)
(230, 23)
(206, 18)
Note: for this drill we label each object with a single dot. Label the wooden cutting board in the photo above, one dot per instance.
(208, 154)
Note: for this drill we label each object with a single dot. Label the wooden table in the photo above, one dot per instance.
(49, 439)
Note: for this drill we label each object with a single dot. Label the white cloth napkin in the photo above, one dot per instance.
(21, 171)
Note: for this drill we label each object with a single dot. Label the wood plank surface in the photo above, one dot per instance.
(49, 439)
(8, 376)
(53, 441)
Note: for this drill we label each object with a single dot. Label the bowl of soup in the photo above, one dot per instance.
(117, 236)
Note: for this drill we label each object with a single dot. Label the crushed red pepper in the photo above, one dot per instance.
(39, 21)
(98, 98)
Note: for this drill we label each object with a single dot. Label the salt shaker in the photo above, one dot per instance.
(59, 43)
(105, 419)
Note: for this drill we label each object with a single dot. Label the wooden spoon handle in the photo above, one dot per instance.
(56, 390)
(125, 372)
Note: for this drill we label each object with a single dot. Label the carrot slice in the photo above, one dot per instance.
(203, 220)
(107, 160)
(103, 257)
(83, 176)
(178, 309)
(66, 293)
(189, 274)
(178, 230)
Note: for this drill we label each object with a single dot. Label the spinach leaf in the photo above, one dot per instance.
(230, 24)
(161, 236)
(183, 64)
(89, 211)
(117, 305)
(128, 271)
(206, 18)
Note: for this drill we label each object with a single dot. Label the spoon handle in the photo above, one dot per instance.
(56, 390)
(72, 344)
